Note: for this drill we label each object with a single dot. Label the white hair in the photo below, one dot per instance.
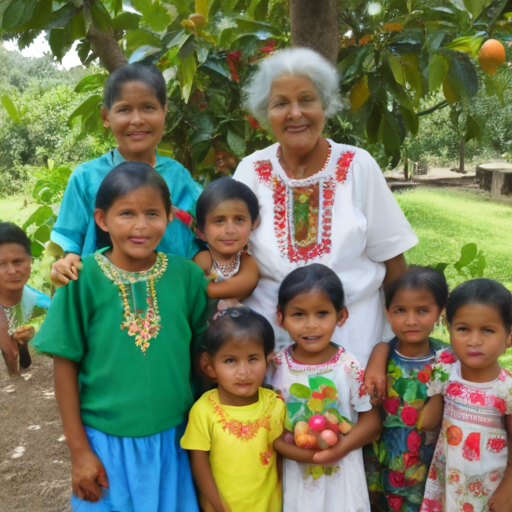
(296, 62)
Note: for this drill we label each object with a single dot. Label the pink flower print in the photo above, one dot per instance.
(409, 415)
(453, 477)
(496, 444)
(495, 475)
(477, 398)
(394, 501)
(429, 505)
(266, 456)
(432, 474)
(467, 507)
(500, 404)
(476, 488)
(391, 404)
(413, 442)
(471, 448)
(447, 357)
(454, 389)
(396, 478)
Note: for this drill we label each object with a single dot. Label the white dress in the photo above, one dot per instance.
(471, 454)
(345, 217)
(325, 488)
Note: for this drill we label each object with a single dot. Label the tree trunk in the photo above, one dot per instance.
(461, 154)
(314, 24)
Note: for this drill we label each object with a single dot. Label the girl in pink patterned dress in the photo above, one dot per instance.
(470, 471)
(310, 306)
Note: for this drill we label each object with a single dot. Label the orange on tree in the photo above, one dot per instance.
(491, 55)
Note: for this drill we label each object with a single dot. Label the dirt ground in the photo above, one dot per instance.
(35, 470)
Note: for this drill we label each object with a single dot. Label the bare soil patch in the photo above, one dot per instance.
(35, 470)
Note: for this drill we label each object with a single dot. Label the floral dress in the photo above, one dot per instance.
(342, 486)
(397, 464)
(471, 453)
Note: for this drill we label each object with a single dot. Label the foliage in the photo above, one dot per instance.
(393, 54)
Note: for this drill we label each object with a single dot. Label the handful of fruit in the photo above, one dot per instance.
(312, 415)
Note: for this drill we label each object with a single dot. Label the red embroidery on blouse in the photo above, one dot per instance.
(496, 444)
(284, 226)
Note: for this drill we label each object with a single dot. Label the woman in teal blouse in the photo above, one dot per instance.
(134, 109)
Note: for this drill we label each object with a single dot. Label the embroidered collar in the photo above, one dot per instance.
(120, 276)
(319, 368)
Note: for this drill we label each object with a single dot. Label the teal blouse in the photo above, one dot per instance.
(75, 229)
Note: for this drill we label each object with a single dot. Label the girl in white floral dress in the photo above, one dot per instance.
(310, 306)
(469, 471)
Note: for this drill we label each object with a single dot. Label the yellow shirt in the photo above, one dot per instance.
(240, 442)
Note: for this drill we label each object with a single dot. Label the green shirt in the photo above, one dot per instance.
(123, 391)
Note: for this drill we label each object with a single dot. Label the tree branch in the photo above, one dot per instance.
(433, 109)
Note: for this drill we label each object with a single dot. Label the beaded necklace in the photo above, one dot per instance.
(143, 328)
(229, 269)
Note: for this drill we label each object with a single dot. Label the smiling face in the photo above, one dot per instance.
(15, 265)
(478, 337)
(295, 114)
(310, 319)
(137, 121)
(227, 229)
(412, 315)
(239, 367)
(136, 223)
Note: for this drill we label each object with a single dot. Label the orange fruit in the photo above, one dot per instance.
(491, 55)
(453, 435)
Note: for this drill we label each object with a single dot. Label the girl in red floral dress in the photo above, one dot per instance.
(470, 471)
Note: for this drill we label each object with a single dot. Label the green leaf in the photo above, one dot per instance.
(462, 75)
(252, 27)
(467, 255)
(83, 49)
(437, 69)
(372, 125)
(141, 37)
(42, 234)
(217, 67)
(472, 129)
(126, 21)
(467, 44)
(441, 267)
(91, 83)
(154, 15)
(59, 42)
(316, 382)
(389, 134)
(100, 16)
(86, 109)
(142, 52)
(300, 391)
(236, 143)
(186, 72)
(396, 68)
(475, 7)
(39, 217)
(10, 108)
(18, 13)
(36, 248)
(410, 119)
(201, 7)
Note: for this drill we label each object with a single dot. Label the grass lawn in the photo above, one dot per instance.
(14, 209)
(446, 219)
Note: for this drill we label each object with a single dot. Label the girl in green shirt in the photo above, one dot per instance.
(121, 338)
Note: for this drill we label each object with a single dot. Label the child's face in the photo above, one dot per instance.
(136, 223)
(137, 121)
(413, 315)
(15, 266)
(239, 368)
(478, 338)
(310, 319)
(227, 228)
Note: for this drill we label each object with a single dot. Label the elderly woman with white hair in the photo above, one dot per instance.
(320, 201)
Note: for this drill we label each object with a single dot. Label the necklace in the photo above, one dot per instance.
(228, 269)
(143, 328)
(301, 170)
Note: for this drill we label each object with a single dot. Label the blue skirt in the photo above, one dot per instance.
(145, 474)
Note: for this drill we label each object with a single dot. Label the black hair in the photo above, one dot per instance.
(309, 278)
(225, 189)
(239, 323)
(123, 179)
(12, 234)
(420, 278)
(485, 292)
(148, 75)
